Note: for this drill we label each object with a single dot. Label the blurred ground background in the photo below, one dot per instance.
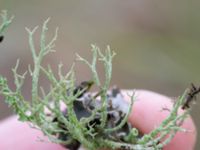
(157, 42)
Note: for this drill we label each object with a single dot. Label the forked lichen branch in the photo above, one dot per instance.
(6, 21)
(94, 130)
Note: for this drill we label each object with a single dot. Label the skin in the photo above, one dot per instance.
(146, 115)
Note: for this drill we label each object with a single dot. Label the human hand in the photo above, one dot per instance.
(146, 115)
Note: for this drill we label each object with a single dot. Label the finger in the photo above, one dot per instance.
(15, 133)
(18, 135)
(147, 114)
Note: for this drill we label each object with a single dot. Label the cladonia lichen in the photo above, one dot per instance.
(101, 123)
(6, 21)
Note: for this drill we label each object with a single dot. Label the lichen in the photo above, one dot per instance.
(102, 123)
(6, 21)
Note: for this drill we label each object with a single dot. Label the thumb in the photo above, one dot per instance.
(147, 115)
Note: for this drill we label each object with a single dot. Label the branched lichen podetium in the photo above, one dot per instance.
(6, 21)
(93, 120)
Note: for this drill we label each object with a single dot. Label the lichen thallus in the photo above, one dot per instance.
(81, 89)
(191, 96)
(94, 120)
(6, 21)
(84, 105)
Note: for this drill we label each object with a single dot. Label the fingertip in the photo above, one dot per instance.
(148, 113)
(19, 135)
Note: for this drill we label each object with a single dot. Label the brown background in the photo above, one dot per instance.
(157, 42)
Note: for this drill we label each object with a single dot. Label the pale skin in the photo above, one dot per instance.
(146, 115)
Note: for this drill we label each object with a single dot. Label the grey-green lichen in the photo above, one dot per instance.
(62, 91)
(5, 21)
